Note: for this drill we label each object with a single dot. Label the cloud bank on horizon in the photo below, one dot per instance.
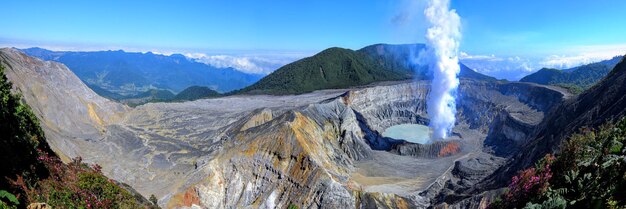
(252, 64)
(513, 68)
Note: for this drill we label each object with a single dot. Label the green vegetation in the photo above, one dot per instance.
(588, 172)
(20, 137)
(330, 69)
(195, 92)
(151, 95)
(572, 88)
(397, 58)
(9, 198)
(154, 94)
(76, 185)
(575, 79)
(33, 173)
(292, 206)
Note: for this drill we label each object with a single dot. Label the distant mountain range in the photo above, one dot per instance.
(131, 74)
(137, 78)
(576, 79)
(336, 68)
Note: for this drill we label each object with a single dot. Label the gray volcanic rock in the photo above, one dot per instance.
(73, 113)
(318, 150)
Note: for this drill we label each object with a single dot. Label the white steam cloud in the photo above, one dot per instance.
(442, 39)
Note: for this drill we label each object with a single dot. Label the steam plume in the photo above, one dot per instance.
(442, 39)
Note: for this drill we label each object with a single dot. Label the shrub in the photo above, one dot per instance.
(77, 185)
(588, 172)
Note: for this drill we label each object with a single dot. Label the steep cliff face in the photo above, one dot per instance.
(317, 150)
(67, 111)
(602, 103)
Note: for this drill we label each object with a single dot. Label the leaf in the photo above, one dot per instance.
(612, 159)
(9, 196)
(616, 148)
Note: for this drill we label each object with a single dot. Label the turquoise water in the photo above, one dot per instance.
(410, 132)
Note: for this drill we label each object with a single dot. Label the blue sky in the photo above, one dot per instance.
(539, 31)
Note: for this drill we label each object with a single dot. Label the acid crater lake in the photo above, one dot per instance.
(415, 133)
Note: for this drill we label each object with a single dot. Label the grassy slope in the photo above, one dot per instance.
(330, 69)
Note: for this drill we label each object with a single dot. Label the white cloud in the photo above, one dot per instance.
(584, 54)
(515, 67)
(257, 64)
(510, 68)
(563, 62)
(492, 57)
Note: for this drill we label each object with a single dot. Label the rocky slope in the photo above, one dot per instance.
(317, 150)
(70, 112)
(602, 103)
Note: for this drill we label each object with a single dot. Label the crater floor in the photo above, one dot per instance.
(407, 175)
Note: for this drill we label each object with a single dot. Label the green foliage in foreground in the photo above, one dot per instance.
(20, 137)
(589, 172)
(9, 198)
(77, 185)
